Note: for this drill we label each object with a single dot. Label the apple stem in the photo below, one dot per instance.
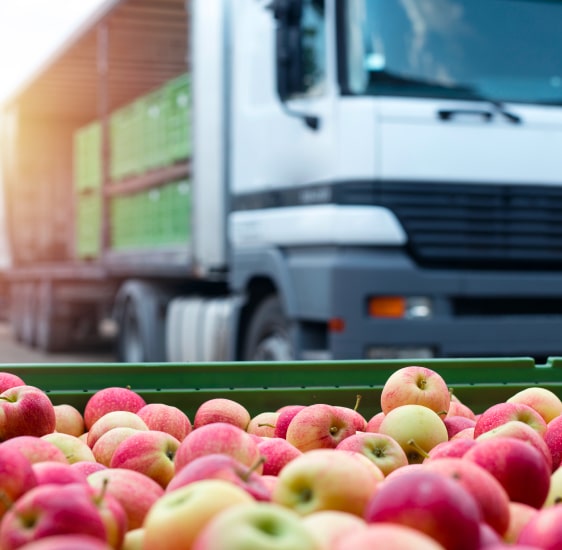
(419, 450)
(246, 475)
(358, 398)
(266, 424)
(103, 489)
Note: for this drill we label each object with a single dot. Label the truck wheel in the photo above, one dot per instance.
(131, 348)
(268, 334)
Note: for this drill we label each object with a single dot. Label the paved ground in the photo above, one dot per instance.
(12, 352)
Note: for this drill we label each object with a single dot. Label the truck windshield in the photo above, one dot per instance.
(501, 50)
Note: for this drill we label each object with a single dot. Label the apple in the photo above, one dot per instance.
(456, 408)
(544, 401)
(373, 424)
(454, 448)
(136, 492)
(319, 426)
(48, 510)
(133, 539)
(277, 452)
(114, 419)
(166, 418)
(9, 380)
(285, 415)
(555, 489)
(386, 535)
(68, 542)
(519, 515)
(381, 449)
(416, 428)
(500, 413)
(221, 410)
(74, 449)
(149, 452)
(482, 485)
(327, 526)
(220, 466)
(519, 467)
(68, 420)
(16, 476)
(455, 424)
(86, 467)
(355, 417)
(176, 519)
(415, 385)
(255, 526)
(106, 444)
(520, 430)
(466, 433)
(218, 437)
(112, 514)
(58, 473)
(111, 399)
(263, 424)
(431, 503)
(327, 479)
(25, 410)
(544, 529)
(553, 439)
(36, 449)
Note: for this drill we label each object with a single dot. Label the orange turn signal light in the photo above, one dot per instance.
(387, 306)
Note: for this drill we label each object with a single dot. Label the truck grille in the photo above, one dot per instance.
(478, 226)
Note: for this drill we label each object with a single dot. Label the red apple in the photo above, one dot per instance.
(373, 424)
(519, 467)
(114, 419)
(456, 408)
(106, 444)
(381, 449)
(36, 449)
(48, 510)
(520, 430)
(9, 380)
(277, 453)
(25, 410)
(319, 426)
(415, 385)
(466, 433)
(386, 535)
(68, 420)
(67, 542)
(355, 417)
(56, 473)
(16, 476)
(221, 410)
(73, 448)
(544, 401)
(149, 452)
(218, 437)
(454, 448)
(327, 526)
(500, 413)
(220, 466)
(111, 399)
(482, 485)
(431, 503)
(544, 529)
(519, 515)
(166, 418)
(455, 424)
(284, 418)
(553, 440)
(136, 492)
(87, 467)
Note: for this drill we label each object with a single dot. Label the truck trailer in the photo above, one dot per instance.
(224, 180)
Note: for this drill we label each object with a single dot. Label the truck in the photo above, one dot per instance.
(291, 180)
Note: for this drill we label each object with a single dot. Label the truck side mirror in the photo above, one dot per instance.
(288, 14)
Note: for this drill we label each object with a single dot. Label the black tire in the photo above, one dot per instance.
(268, 336)
(131, 348)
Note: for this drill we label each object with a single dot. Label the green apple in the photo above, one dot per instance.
(416, 428)
(73, 448)
(544, 401)
(255, 526)
(176, 519)
(327, 479)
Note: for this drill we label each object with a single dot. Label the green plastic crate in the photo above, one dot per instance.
(126, 136)
(154, 128)
(88, 225)
(88, 157)
(178, 124)
(479, 383)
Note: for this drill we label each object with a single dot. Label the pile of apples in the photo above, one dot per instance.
(425, 473)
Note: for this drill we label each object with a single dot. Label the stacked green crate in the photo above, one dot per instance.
(176, 215)
(154, 120)
(178, 134)
(88, 157)
(88, 225)
(126, 134)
